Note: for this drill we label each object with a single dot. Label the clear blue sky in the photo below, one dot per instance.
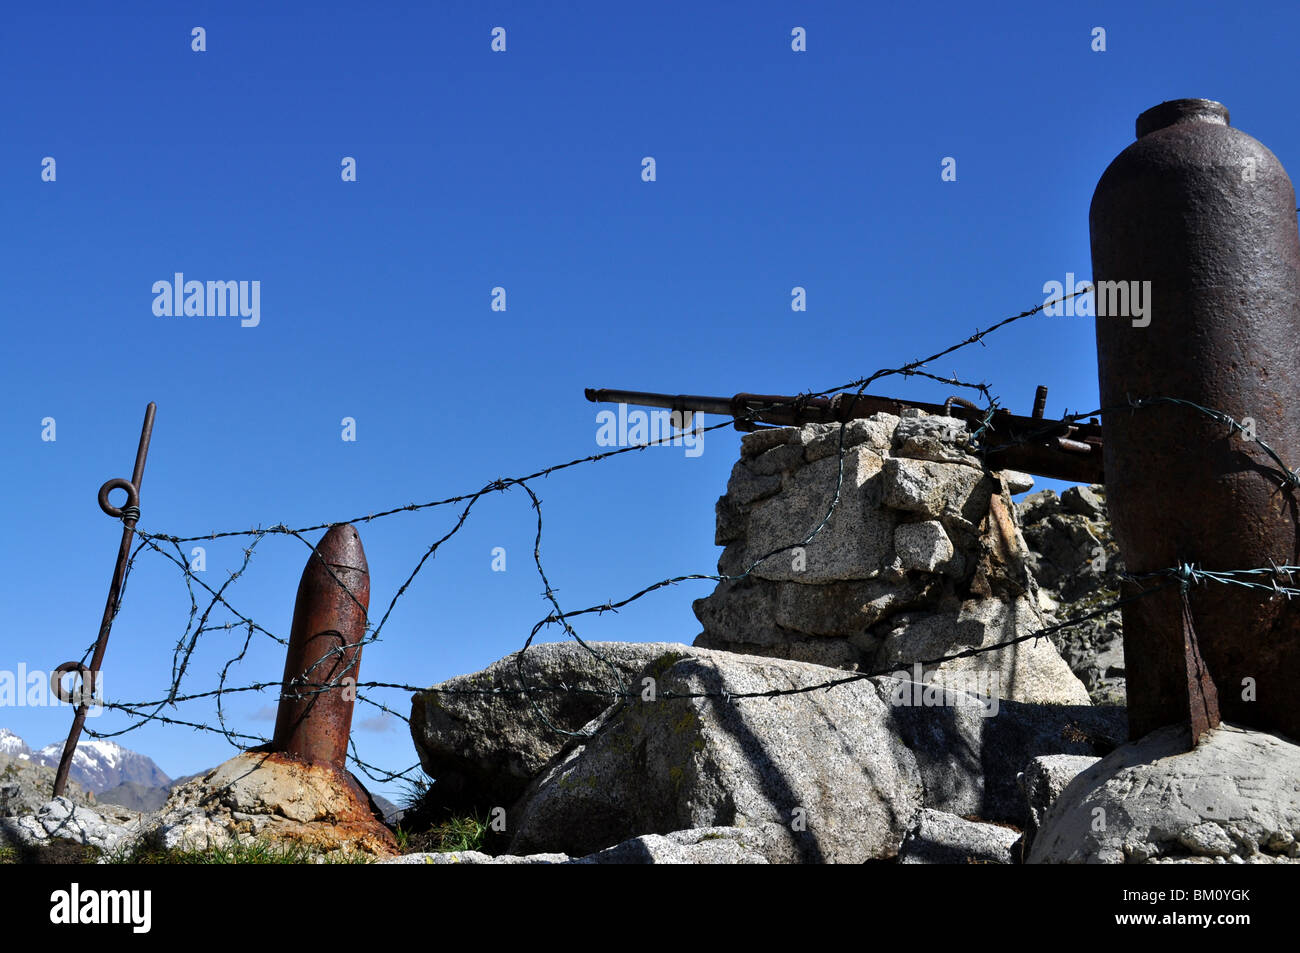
(520, 169)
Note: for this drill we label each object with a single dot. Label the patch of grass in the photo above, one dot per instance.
(8, 855)
(454, 833)
(663, 663)
(1093, 600)
(257, 852)
(415, 790)
(429, 824)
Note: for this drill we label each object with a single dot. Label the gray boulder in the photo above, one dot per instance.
(777, 460)
(823, 440)
(25, 786)
(481, 740)
(1042, 782)
(939, 439)
(1028, 671)
(745, 486)
(730, 522)
(62, 820)
(1234, 798)
(1067, 554)
(939, 838)
(823, 776)
(953, 492)
(920, 528)
(1089, 501)
(657, 767)
(969, 758)
(762, 440)
(1075, 561)
(759, 612)
(474, 858)
(853, 544)
(1037, 506)
(1018, 482)
(710, 845)
(925, 546)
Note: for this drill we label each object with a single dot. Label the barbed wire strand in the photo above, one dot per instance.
(198, 623)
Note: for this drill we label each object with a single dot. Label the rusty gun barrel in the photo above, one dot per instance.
(1060, 449)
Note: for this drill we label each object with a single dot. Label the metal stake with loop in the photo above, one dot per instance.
(129, 515)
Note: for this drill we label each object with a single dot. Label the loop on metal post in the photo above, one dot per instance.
(87, 689)
(132, 499)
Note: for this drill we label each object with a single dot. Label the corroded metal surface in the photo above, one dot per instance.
(1206, 214)
(351, 815)
(1202, 696)
(269, 795)
(324, 657)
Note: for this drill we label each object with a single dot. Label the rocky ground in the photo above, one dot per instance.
(922, 558)
(25, 785)
(1077, 567)
(795, 729)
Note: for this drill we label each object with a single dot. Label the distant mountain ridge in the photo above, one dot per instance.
(97, 765)
(137, 797)
(13, 746)
(117, 775)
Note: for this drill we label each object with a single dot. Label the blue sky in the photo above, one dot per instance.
(519, 169)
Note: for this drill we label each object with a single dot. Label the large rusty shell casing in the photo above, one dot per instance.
(329, 625)
(1206, 214)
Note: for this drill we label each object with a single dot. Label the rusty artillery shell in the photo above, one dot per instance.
(324, 657)
(1206, 214)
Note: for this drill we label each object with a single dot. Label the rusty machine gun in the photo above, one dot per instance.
(1061, 449)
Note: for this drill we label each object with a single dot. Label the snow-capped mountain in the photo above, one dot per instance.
(13, 746)
(99, 765)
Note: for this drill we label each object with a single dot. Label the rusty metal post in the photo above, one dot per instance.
(324, 657)
(1206, 214)
(129, 514)
(1040, 402)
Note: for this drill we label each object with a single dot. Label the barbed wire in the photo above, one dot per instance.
(913, 367)
(1289, 477)
(199, 620)
(495, 485)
